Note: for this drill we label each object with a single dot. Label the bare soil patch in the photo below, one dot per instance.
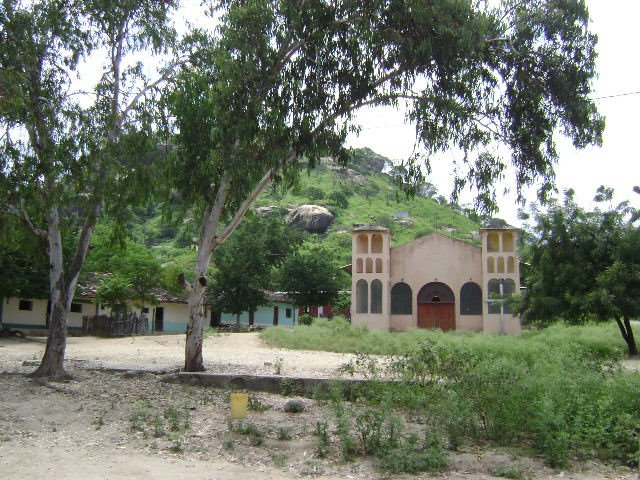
(103, 424)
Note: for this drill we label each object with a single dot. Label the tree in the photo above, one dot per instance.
(244, 265)
(64, 153)
(276, 86)
(311, 277)
(583, 266)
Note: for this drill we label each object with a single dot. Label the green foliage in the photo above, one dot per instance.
(583, 265)
(244, 264)
(294, 406)
(114, 292)
(311, 277)
(305, 319)
(563, 400)
(338, 335)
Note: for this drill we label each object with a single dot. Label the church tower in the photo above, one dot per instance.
(371, 276)
(501, 276)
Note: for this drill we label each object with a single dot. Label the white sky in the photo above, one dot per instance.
(615, 164)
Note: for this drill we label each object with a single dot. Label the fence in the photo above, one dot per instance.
(117, 325)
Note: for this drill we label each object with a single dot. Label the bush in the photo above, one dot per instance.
(305, 319)
(294, 406)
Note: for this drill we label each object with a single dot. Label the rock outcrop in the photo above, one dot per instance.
(312, 218)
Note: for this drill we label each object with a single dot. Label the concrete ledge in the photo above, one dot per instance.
(300, 386)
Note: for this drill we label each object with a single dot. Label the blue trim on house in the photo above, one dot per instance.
(25, 326)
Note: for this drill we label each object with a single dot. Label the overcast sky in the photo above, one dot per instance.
(615, 164)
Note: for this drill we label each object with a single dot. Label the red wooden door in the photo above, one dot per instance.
(436, 315)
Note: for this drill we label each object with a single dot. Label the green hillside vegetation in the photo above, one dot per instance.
(371, 198)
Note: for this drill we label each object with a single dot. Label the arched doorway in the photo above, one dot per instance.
(436, 307)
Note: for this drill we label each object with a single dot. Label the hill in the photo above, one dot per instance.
(360, 194)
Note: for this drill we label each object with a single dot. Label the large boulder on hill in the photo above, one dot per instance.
(353, 176)
(313, 218)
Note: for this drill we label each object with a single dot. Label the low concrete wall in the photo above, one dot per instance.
(300, 386)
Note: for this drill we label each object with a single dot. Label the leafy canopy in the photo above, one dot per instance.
(584, 265)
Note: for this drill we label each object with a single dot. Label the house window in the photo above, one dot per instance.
(376, 296)
(369, 265)
(287, 312)
(511, 266)
(401, 297)
(25, 305)
(471, 299)
(76, 308)
(500, 265)
(145, 310)
(362, 297)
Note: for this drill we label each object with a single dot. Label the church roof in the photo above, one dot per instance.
(370, 228)
(498, 224)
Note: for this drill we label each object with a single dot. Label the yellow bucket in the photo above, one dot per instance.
(239, 403)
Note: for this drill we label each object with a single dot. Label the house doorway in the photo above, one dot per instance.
(436, 307)
(159, 323)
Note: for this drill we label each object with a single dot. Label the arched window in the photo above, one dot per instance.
(376, 296)
(493, 242)
(378, 265)
(436, 292)
(362, 297)
(359, 266)
(509, 288)
(401, 299)
(376, 243)
(507, 242)
(491, 265)
(493, 289)
(511, 265)
(497, 296)
(500, 265)
(362, 244)
(369, 265)
(471, 299)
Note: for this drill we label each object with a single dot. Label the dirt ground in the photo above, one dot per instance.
(110, 425)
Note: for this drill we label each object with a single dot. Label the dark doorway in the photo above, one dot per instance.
(436, 307)
(159, 324)
(275, 315)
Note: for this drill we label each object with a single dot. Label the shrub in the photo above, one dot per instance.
(305, 319)
(294, 406)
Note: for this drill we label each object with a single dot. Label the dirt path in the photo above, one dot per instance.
(228, 353)
(104, 425)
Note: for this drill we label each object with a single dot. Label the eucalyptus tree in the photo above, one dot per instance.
(275, 87)
(68, 154)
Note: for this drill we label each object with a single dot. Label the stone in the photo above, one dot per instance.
(312, 218)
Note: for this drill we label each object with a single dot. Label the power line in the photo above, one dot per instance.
(617, 95)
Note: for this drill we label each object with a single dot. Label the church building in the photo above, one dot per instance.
(435, 281)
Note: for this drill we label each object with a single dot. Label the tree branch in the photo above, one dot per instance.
(164, 77)
(23, 215)
(246, 204)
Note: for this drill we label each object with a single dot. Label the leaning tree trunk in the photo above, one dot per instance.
(627, 334)
(52, 364)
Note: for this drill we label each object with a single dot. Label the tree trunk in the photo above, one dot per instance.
(193, 361)
(627, 334)
(52, 364)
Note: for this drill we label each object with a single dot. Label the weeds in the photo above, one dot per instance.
(277, 366)
(284, 433)
(256, 405)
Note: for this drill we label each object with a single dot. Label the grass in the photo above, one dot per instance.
(337, 335)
